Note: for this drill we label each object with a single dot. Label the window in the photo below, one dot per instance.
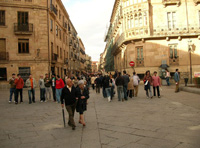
(145, 18)
(171, 18)
(23, 46)
(2, 18)
(24, 72)
(173, 53)
(3, 74)
(60, 33)
(56, 30)
(58, 51)
(136, 20)
(140, 19)
(51, 47)
(61, 53)
(140, 53)
(23, 18)
(199, 18)
(51, 25)
(59, 15)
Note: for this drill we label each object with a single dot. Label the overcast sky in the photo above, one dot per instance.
(90, 18)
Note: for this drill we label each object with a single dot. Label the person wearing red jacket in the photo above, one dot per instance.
(19, 82)
(59, 86)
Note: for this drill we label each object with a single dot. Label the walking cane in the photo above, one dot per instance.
(63, 116)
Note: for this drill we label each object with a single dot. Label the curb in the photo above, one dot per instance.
(191, 90)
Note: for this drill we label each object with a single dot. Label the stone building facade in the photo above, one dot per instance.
(156, 35)
(35, 37)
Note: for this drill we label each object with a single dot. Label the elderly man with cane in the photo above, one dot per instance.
(69, 97)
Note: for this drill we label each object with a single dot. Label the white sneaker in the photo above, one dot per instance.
(147, 97)
(41, 101)
(9, 101)
(109, 99)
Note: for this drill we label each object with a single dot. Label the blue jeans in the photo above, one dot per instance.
(104, 92)
(167, 80)
(120, 93)
(12, 91)
(58, 94)
(125, 92)
(32, 91)
(108, 92)
(42, 94)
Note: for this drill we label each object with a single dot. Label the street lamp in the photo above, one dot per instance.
(190, 54)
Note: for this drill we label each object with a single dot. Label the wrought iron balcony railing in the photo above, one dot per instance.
(53, 9)
(23, 28)
(4, 56)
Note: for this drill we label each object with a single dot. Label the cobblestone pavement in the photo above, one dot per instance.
(173, 121)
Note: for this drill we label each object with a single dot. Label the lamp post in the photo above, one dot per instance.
(190, 55)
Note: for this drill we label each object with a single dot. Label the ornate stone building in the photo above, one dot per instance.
(37, 37)
(155, 34)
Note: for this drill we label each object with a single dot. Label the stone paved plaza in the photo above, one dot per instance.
(172, 121)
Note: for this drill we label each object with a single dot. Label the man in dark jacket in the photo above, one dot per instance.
(126, 81)
(98, 84)
(120, 87)
(69, 97)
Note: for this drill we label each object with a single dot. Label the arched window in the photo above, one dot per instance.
(140, 19)
(145, 18)
(136, 20)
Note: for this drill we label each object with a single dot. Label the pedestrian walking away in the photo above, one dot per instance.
(112, 87)
(176, 79)
(47, 82)
(83, 96)
(53, 86)
(148, 84)
(19, 82)
(42, 89)
(156, 84)
(107, 84)
(68, 97)
(120, 87)
(59, 86)
(31, 85)
(136, 82)
(12, 88)
(92, 82)
(167, 76)
(130, 92)
(126, 81)
(98, 84)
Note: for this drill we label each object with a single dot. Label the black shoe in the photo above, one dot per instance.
(30, 102)
(69, 124)
(33, 101)
(16, 103)
(73, 128)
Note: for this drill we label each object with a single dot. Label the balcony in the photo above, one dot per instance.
(54, 58)
(4, 56)
(53, 9)
(171, 2)
(174, 61)
(196, 2)
(70, 43)
(20, 29)
(176, 31)
(140, 62)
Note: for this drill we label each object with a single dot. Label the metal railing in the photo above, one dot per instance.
(23, 27)
(53, 9)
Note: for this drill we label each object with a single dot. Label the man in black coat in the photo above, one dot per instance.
(69, 97)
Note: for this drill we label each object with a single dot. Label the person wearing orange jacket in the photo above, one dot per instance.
(19, 82)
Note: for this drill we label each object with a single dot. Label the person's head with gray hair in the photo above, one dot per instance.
(81, 84)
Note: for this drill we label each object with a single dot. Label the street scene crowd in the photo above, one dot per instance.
(73, 91)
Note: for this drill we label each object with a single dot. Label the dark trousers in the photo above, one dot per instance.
(32, 91)
(104, 92)
(42, 94)
(112, 92)
(98, 88)
(93, 86)
(154, 91)
(130, 93)
(54, 92)
(125, 92)
(19, 91)
(167, 80)
(71, 109)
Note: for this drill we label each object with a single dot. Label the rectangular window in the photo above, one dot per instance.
(140, 53)
(3, 74)
(23, 45)
(24, 72)
(171, 19)
(173, 53)
(60, 33)
(23, 18)
(61, 53)
(58, 51)
(56, 30)
(51, 25)
(51, 47)
(2, 18)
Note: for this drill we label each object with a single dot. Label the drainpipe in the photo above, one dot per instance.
(48, 37)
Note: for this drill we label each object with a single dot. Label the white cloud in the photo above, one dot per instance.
(90, 18)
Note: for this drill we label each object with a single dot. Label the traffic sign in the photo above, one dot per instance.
(132, 64)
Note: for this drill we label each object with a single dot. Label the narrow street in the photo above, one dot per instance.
(172, 121)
